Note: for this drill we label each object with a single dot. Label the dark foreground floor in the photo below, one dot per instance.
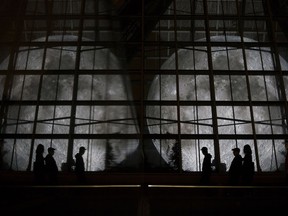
(155, 195)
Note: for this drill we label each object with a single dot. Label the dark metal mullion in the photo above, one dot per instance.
(146, 136)
(230, 80)
(212, 88)
(137, 72)
(56, 94)
(261, 58)
(177, 90)
(196, 114)
(106, 114)
(160, 95)
(241, 20)
(107, 85)
(96, 21)
(142, 84)
(148, 16)
(233, 110)
(20, 106)
(181, 44)
(48, 10)
(91, 107)
(37, 106)
(248, 89)
(17, 121)
(38, 97)
(59, 67)
(147, 102)
(192, 11)
(192, 24)
(167, 121)
(75, 88)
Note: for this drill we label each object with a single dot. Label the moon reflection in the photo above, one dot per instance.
(198, 119)
(56, 119)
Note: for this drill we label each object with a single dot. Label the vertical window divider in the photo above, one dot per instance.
(177, 88)
(212, 88)
(75, 88)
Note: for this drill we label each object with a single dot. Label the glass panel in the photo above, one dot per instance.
(272, 88)
(271, 155)
(262, 119)
(264, 123)
(239, 88)
(48, 90)
(105, 120)
(21, 120)
(60, 59)
(30, 88)
(222, 87)
(17, 153)
(194, 58)
(243, 119)
(29, 58)
(234, 120)
(259, 58)
(61, 124)
(196, 120)
(62, 84)
(226, 120)
(258, 88)
(98, 58)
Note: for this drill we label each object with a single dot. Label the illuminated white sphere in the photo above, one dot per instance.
(197, 88)
(90, 87)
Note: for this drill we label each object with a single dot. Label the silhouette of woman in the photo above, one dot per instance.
(248, 166)
(39, 165)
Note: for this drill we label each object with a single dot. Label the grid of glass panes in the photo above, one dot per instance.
(208, 73)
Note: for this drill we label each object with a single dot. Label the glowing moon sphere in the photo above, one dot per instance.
(56, 119)
(198, 119)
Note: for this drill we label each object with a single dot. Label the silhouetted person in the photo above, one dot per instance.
(51, 167)
(248, 166)
(235, 170)
(39, 165)
(206, 167)
(80, 166)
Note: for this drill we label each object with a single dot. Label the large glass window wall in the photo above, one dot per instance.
(143, 85)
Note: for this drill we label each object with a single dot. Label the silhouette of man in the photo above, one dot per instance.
(235, 170)
(80, 166)
(51, 166)
(39, 165)
(206, 167)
